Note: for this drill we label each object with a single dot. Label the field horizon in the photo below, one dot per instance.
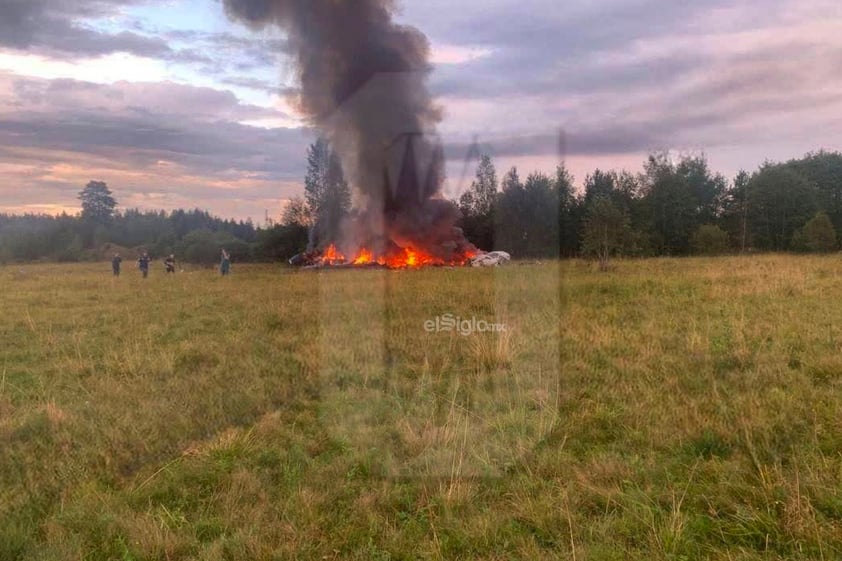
(669, 409)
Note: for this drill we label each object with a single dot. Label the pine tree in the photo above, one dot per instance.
(326, 192)
(318, 158)
(98, 204)
(485, 187)
(511, 216)
(478, 205)
(568, 212)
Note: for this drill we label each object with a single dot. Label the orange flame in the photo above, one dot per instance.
(411, 258)
(333, 255)
(406, 258)
(364, 258)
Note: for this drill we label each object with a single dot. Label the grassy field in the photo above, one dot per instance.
(668, 409)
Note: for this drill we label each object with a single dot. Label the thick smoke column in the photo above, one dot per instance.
(363, 85)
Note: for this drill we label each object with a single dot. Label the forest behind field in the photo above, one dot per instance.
(676, 206)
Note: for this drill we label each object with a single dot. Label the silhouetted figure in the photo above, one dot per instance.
(169, 263)
(225, 264)
(143, 264)
(116, 262)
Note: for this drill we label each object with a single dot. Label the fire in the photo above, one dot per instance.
(411, 258)
(333, 256)
(405, 258)
(364, 258)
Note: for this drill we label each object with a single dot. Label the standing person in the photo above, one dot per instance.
(143, 263)
(225, 264)
(116, 261)
(169, 263)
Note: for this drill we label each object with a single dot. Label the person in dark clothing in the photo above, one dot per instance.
(116, 261)
(143, 264)
(169, 263)
(225, 264)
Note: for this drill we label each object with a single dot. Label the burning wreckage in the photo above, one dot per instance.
(363, 87)
(406, 258)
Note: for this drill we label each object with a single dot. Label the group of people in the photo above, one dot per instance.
(144, 261)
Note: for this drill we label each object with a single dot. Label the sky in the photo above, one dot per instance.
(175, 106)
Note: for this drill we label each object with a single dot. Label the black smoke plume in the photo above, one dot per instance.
(363, 84)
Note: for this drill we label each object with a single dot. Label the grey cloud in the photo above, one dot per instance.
(560, 143)
(59, 29)
(550, 50)
(60, 39)
(565, 29)
(542, 52)
(49, 26)
(745, 121)
(141, 124)
(226, 53)
(267, 86)
(64, 96)
(738, 99)
(581, 67)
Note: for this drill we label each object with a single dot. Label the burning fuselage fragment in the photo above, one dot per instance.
(403, 258)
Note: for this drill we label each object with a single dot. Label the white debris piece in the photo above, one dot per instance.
(493, 259)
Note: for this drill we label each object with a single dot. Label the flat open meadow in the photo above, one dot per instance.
(668, 409)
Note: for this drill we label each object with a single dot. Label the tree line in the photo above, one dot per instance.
(101, 230)
(195, 236)
(674, 207)
(677, 206)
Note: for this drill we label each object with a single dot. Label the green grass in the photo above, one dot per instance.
(668, 409)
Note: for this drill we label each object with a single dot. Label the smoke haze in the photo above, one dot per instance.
(363, 85)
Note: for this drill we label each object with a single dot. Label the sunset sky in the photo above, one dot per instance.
(175, 106)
